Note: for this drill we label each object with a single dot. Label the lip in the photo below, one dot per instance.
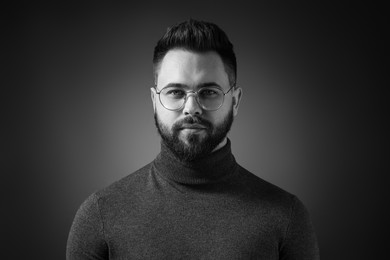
(193, 126)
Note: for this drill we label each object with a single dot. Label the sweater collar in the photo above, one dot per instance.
(210, 169)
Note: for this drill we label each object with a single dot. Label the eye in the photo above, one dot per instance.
(174, 93)
(209, 93)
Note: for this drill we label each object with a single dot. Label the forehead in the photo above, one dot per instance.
(191, 68)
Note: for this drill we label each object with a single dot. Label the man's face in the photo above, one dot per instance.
(193, 132)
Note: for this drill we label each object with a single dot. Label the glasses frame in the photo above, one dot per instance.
(192, 92)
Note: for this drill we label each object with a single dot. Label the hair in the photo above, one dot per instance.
(197, 36)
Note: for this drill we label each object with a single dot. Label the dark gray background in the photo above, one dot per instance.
(309, 120)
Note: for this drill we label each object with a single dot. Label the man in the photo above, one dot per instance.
(193, 201)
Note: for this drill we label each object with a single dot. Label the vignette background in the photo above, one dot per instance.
(309, 121)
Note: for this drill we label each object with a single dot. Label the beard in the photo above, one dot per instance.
(195, 146)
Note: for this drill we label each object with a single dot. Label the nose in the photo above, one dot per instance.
(191, 106)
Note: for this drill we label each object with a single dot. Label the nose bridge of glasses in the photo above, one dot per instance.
(192, 93)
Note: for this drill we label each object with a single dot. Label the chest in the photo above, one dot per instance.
(195, 229)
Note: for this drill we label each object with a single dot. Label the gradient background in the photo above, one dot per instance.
(309, 121)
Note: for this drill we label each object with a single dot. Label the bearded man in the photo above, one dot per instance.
(194, 201)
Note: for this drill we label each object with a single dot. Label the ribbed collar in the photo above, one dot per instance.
(211, 169)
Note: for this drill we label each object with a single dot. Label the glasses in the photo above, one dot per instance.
(209, 98)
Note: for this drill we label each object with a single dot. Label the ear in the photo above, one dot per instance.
(237, 94)
(153, 97)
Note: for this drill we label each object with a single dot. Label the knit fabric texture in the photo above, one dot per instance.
(209, 209)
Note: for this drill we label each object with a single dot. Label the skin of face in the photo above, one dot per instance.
(191, 70)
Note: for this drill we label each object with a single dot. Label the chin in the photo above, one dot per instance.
(191, 138)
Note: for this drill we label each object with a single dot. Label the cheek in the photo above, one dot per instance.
(217, 117)
(228, 102)
(167, 117)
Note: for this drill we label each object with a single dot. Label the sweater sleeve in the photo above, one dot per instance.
(300, 240)
(86, 236)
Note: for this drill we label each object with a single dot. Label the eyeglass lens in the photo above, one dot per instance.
(174, 98)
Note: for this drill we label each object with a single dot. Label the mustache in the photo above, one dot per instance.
(189, 120)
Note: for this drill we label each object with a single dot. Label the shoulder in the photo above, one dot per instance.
(129, 182)
(260, 186)
(281, 207)
(264, 193)
(124, 189)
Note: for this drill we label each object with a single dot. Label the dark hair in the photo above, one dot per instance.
(197, 36)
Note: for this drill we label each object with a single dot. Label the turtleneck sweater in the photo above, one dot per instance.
(211, 208)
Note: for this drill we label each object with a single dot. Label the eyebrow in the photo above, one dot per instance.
(202, 85)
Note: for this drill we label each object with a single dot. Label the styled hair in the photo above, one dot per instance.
(197, 36)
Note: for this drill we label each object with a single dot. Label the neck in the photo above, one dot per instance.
(221, 144)
(212, 168)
